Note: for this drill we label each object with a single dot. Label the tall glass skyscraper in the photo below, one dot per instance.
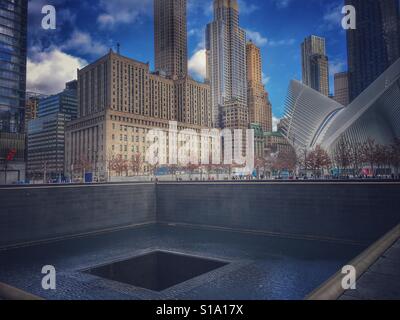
(13, 38)
(226, 62)
(13, 48)
(46, 134)
(375, 44)
(170, 35)
(315, 64)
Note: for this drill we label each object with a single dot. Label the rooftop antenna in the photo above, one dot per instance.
(118, 48)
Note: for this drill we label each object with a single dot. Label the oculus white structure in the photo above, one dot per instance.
(313, 119)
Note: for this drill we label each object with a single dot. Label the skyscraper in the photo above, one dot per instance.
(375, 44)
(170, 37)
(13, 43)
(342, 88)
(32, 105)
(315, 64)
(260, 110)
(64, 102)
(46, 134)
(226, 62)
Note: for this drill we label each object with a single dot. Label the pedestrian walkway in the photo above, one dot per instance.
(381, 281)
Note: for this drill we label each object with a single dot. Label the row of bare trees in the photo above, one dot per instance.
(315, 161)
(121, 166)
(374, 155)
(346, 157)
(115, 163)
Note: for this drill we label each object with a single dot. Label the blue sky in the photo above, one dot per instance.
(86, 30)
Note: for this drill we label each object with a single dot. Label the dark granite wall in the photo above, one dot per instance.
(37, 213)
(353, 212)
(350, 212)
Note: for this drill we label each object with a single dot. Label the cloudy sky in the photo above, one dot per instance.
(87, 29)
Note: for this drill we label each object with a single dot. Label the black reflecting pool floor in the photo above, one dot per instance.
(158, 270)
(233, 266)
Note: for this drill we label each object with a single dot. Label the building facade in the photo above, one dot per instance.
(170, 38)
(120, 102)
(193, 102)
(375, 44)
(32, 107)
(315, 64)
(13, 43)
(46, 144)
(226, 60)
(46, 134)
(342, 88)
(259, 141)
(260, 108)
(64, 102)
(275, 142)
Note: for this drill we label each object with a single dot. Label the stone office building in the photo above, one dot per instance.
(120, 101)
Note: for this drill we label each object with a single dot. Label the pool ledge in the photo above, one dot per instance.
(332, 288)
(10, 293)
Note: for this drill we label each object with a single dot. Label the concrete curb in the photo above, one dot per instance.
(10, 293)
(332, 289)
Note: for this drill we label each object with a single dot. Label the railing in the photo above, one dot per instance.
(333, 290)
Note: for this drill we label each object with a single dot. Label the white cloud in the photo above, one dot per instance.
(122, 11)
(199, 34)
(332, 17)
(246, 8)
(265, 79)
(275, 122)
(336, 66)
(49, 71)
(83, 42)
(197, 64)
(283, 42)
(281, 4)
(257, 38)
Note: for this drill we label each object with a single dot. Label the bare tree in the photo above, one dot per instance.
(318, 160)
(286, 160)
(136, 164)
(369, 153)
(119, 165)
(356, 157)
(342, 154)
(260, 163)
(82, 165)
(382, 156)
(269, 163)
(395, 154)
(302, 159)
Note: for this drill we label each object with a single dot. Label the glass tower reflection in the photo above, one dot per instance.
(13, 42)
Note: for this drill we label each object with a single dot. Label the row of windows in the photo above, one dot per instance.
(125, 128)
(9, 15)
(124, 148)
(125, 138)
